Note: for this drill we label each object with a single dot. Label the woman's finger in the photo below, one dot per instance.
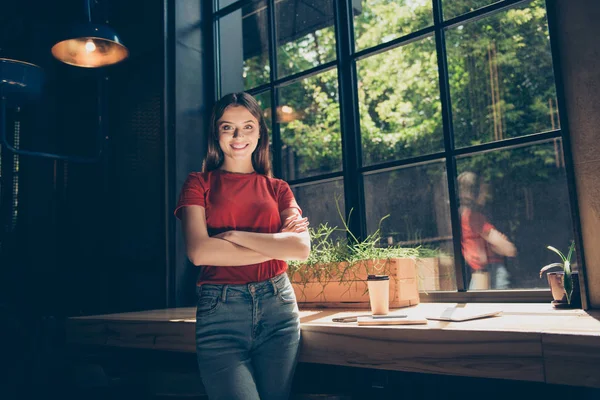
(290, 222)
(302, 227)
(295, 223)
(299, 224)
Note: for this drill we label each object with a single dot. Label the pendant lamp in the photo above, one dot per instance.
(90, 45)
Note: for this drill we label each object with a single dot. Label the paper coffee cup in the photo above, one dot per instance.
(379, 294)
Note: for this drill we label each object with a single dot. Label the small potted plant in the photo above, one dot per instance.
(563, 284)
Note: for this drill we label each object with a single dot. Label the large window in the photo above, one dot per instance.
(442, 114)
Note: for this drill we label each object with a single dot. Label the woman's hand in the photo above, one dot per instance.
(294, 224)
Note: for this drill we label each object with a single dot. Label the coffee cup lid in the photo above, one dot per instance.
(378, 278)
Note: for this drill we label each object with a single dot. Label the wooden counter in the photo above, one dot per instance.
(529, 342)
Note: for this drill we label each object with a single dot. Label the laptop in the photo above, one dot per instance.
(458, 314)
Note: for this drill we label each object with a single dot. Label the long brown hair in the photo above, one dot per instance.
(261, 160)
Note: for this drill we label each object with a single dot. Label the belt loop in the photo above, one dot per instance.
(275, 289)
(224, 293)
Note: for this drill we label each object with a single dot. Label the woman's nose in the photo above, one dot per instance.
(237, 133)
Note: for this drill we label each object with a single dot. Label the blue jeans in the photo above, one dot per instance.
(247, 339)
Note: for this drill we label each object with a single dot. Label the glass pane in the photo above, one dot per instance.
(244, 48)
(318, 203)
(416, 200)
(377, 22)
(309, 115)
(456, 8)
(220, 4)
(264, 100)
(224, 3)
(305, 35)
(399, 103)
(522, 194)
(501, 76)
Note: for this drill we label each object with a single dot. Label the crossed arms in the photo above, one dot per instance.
(235, 248)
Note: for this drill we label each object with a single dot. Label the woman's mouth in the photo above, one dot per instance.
(239, 146)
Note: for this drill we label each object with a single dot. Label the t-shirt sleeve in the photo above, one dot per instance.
(286, 199)
(193, 193)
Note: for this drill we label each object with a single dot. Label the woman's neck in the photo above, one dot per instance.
(238, 168)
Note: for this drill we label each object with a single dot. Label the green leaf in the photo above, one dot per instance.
(549, 266)
(568, 284)
(571, 248)
(562, 256)
(567, 267)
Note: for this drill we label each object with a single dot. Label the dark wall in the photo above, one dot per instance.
(80, 238)
(87, 238)
(137, 250)
(193, 94)
(94, 238)
(111, 225)
(579, 53)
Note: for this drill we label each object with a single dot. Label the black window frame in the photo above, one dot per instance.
(352, 169)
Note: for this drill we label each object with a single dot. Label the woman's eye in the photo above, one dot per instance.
(226, 128)
(249, 127)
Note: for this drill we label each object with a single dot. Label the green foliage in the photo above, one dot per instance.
(455, 8)
(501, 76)
(501, 84)
(398, 90)
(315, 136)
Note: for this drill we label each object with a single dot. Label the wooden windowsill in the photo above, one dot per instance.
(529, 342)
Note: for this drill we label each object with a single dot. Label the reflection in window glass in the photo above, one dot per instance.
(244, 48)
(416, 200)
(377, 22)
(305, 35)
(318, 204)
(456, 8)
(399, 103)
(513, 203)
(501, 76)
(309, 115)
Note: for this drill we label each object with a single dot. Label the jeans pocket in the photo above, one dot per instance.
(208, 303)
(286, 294)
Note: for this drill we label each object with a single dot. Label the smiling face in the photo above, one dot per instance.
(238, 132)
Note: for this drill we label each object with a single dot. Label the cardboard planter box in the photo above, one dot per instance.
(343, 286)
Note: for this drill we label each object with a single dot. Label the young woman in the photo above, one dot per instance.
(483, 246)
(240, 225)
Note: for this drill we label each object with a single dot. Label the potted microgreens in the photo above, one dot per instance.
(335, 274)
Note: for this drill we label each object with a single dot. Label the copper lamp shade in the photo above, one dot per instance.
(91, 46)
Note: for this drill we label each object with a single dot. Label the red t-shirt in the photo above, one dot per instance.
(242, 202)
(476, 250)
